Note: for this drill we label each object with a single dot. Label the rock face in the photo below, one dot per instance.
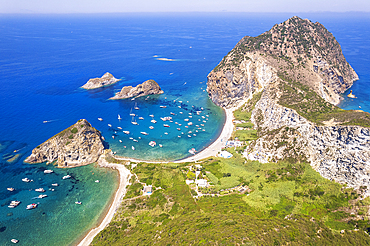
(106, 80)
(78, 145)
(149, 87)
(296, 49)
(301, 71)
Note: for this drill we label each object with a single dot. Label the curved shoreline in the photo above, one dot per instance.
(125, 174)
(124, 177)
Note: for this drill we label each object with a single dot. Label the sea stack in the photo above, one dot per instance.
(106, 80)
(78, 145)
(149, 87)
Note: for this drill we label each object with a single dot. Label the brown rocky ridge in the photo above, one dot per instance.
(149, 87)
(78, 145)
(106, 80)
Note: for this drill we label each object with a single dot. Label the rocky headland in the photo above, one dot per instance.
(296, 72)
(149, 87)
(106, 80)
(78, 145)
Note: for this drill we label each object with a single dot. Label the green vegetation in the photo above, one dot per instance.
(296, 96)
(245, 135)
(288, 203)
(74, 130)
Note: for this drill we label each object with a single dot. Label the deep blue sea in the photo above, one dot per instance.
(44, 60)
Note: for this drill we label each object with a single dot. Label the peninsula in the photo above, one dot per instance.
(78, 145)
(149, 87)
(106, 80)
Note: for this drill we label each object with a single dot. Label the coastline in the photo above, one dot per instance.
(124, 177)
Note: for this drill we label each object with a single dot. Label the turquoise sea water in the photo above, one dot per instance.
(45, 59)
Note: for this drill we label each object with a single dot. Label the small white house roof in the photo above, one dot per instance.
(201, 182)
(225, 154)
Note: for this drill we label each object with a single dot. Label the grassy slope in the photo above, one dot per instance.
(170, 216)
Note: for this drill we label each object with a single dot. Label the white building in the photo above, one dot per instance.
(201, 183)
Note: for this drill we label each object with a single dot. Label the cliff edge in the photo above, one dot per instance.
(149, 87)
(106, 80)
(296, 73)
(78, 145)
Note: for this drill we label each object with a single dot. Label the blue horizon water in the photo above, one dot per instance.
(46, 59)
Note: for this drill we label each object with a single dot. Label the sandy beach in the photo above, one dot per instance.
(125, 175)
(124, 178)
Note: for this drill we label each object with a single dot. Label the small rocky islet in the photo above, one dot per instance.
(106, 80)
(149, 87)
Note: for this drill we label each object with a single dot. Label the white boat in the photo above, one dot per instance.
(26, 180)
(13, 204)
(179, 136)
(135, 140)
(134, 123)
(120, 141)
(144, 133)
(130, 138)
(163, 106)
(40, 190)
(42, 196)
(186, 119)
(190, 123)
(194, 134)
(189, 136)
(203, 117)
(31, 206)
(179, 106)
(153, 121)
(137, 108)
(178, 129)
(66, 177)
(165, 125)
(48, 171)
(190, 116)
(100, 119)
(141, 118)
(14, 240)
(166, 133)
(172, 113)
(54, 184)
(160, 145)
(97, 181)
(132, 114)
(78, 202)
(113, 137)
(181, 113)
(132, 147)
(109, 125)
(152, 143)
(126, 132)
(118, 127)
(186, 127)
(119, 117)
(192, 151)
(10, 189)
(151, 115)
(180, 124)
(190, 113)
(151, 127)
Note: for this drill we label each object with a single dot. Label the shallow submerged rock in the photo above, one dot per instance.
(149, 87)
(106, 80)
(78, 145)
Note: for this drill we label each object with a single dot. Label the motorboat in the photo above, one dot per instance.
(126, 132)
(179, 136)
(120, 141)
(42, 196)
(48, 171)
(118, 127)
(151, 115)
(26, 180)
(186, 119)
(181, 113)
(14, 240)
(178, 129)
(100, 119)
(66, 177)
(151, 127)
(135, 140)
(109, 125)
(141, 118)
(190, 123)
(13, 204)
(54, 184)
(132, 147)
(189, 136)
(152, 143)
(166, 133)
(172, 113)
(119, 117)
(132, 114)
(78, 202)
(10, 189)
(165, 125)
(153, 121)
(160, 145)
(144, 133)
(31, 206)
(97, 181)
(192, 151)
(40, 190)
(190, 116)
(113, 137)
(163, 106)
(130, 138)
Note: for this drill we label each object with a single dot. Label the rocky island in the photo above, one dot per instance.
(106, 80)
(78, 145)
(149, 87)
(296, 73)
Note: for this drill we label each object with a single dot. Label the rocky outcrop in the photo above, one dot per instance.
(149, 87)
(301, 71)
(106, 80)
(78, 145)
(295, 50)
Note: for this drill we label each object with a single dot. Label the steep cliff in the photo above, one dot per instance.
(106, 80)
(301, 71)
(149, 87)
(78, 145)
